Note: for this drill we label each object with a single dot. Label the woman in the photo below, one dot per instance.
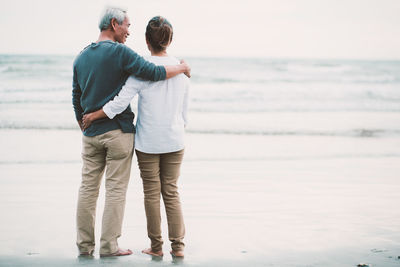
(159, 140)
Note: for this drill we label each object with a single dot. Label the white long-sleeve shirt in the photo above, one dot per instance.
(162, 110)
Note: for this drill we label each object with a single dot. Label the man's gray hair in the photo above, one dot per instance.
(110, 13)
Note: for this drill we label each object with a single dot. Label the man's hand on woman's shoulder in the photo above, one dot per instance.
(188, 70)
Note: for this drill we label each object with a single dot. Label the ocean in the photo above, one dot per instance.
(287, 163)
(229, 95)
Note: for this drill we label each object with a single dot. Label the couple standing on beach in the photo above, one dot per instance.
(107, 75)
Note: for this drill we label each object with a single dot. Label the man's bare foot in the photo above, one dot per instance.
(177, 253)
(120, 252)
(149, 251)
(86, 253)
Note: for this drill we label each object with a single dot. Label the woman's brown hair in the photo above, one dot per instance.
(159, 33)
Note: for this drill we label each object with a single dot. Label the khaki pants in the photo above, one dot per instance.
(112, 152)
(160, 174)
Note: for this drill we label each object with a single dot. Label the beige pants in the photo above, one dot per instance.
(112, 152)
(160, 174)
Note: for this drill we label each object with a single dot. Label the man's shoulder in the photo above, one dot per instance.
(81, 54)
(123, 47)
(105, 45)
(122, 51)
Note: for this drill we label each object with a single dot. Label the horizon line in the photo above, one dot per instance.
(228, 57)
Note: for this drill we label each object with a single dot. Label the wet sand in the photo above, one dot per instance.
(248, 201)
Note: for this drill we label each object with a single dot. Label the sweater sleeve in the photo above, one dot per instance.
(76, 97)
(137, 66)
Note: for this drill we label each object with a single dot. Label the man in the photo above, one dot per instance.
(100, 71)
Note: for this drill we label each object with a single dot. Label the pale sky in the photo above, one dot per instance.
(353, 29)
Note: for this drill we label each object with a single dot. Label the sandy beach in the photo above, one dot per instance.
(248, 201)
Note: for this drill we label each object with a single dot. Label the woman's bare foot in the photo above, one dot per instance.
(149, 251)
(177, 253)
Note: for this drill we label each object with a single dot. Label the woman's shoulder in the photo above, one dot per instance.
(168, 60)
(173, 59)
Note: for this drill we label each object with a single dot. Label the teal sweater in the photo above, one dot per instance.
(100, 71)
